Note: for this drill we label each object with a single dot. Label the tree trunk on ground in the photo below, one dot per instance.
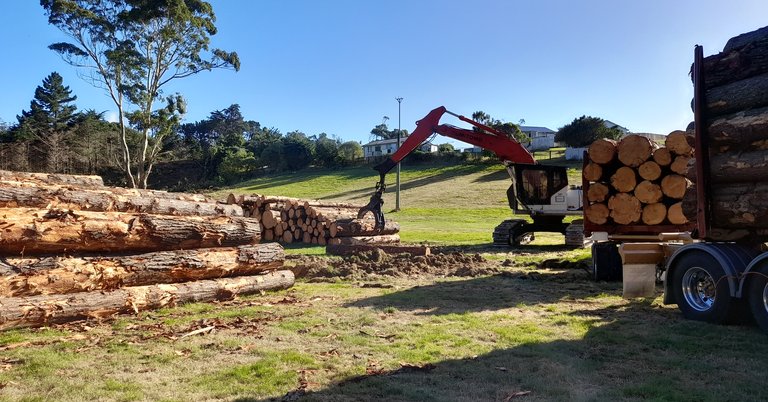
(625, 209)
(633, 150)
(64, 274)
(44, 196)
(50, 178)
(624, 180)
(344, 249)
(654, 214)
(35, 231)
(362, 227)
(18, 312)
(385, 239)
(602, 151)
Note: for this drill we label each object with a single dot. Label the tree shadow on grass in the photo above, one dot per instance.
(633, 351)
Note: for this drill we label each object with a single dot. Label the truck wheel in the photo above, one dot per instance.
(757, 295)
(700, 288)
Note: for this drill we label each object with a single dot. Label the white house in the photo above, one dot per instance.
(379, 148)
(539, 137)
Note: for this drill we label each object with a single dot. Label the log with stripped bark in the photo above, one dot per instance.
(63, 274)
(34, 311)
(35, 231)
(16, 194)
(52, 178)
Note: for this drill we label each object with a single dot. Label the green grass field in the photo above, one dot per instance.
(528, 333)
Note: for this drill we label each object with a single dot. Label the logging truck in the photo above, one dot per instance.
(537, 190)
(720, 273)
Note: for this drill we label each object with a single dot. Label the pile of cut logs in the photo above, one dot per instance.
(290, 220)
(637, 182)
(735, 111)
(71, 248)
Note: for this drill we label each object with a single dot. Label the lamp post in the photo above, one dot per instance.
(397, 185)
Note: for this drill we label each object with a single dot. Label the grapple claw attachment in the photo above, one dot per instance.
(374, 207)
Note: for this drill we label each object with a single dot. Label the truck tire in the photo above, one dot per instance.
(757, 296)
(700, 288)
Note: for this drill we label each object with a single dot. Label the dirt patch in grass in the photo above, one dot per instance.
(377, 263)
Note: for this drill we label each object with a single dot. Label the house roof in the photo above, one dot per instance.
(384, 142)
(611, 124)
(537, 129)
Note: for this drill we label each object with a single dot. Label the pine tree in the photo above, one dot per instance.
(48, 122)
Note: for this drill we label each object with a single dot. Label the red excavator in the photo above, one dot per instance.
(537, 190)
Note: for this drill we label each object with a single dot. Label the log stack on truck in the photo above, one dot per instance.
(724, 273)
(71, 248)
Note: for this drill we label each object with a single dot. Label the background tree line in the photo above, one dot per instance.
(53, 136)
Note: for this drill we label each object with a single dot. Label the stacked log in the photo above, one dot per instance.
(71, 248)
(635, 182)
(735, 124)
(293, 220)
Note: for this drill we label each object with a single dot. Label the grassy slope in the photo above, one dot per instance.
(452, 204)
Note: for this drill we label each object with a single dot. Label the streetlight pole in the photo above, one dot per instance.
(397, 186)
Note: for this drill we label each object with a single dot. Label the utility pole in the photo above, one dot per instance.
(397, 186)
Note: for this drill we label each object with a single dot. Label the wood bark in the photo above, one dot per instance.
(598, 192)
(744, 130)
(740, 206)
(662, 156)
(634, 149)
(625, 209)
(33, 311)
(648, 192)
(674, 186)
(593, 171)
(624, 180)
(679, 143)
(597, 213)
(748, 93)
(52, 178)
(654, 214)
(649, 170)
(104, 200)
(675, 214)
(35, 231)
(65, 274)
(385, 239)
(602, 151)
(739, 167)
(362, 227)
(742, 57)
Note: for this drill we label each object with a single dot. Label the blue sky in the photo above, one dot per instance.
(337, 66)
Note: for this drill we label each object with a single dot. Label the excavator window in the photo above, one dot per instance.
(536, 184)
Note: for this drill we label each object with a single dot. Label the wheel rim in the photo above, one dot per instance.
(765, 298)
(699, 289)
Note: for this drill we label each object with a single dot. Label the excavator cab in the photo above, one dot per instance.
(540, 189)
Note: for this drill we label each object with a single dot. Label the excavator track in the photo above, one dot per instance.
(508, 233)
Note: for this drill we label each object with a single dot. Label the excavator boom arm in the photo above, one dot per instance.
(505, 148)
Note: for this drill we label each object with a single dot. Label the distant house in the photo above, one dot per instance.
(539, 137)
(379, 148)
